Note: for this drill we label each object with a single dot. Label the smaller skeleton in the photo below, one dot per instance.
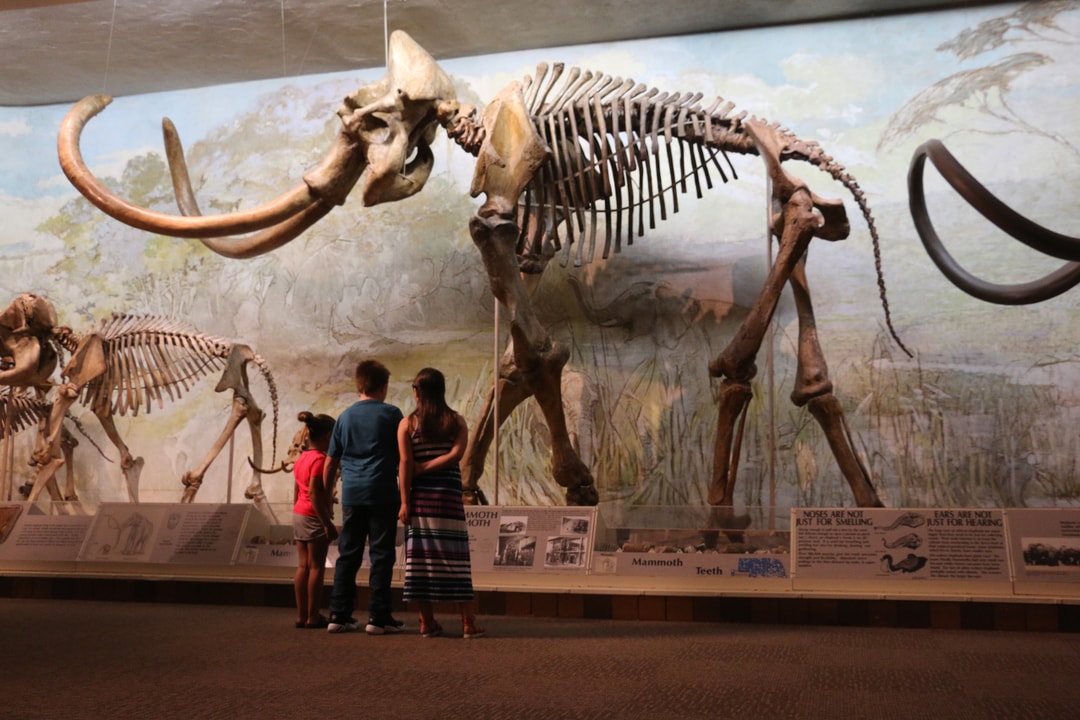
(127, 363)
(21, 410)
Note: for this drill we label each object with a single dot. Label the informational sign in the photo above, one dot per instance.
(190, 534)
(702, 565)
(919, 544)
(267, 544)
(1045, 545)
(27, 535)
(530, 539)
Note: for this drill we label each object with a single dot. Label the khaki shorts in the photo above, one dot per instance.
(307, 528)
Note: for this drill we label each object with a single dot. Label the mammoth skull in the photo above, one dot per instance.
(384, 144)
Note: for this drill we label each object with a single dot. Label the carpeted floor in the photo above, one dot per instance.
(119, 660)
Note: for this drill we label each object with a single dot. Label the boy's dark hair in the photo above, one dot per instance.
(371, 376)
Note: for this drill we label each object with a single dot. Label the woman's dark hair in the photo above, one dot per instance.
(434, 417)
(319, 426)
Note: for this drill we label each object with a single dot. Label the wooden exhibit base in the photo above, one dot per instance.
(968, 614)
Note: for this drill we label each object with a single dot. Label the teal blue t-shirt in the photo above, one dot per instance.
(365, 442)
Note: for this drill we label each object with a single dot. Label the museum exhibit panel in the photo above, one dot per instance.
(685, 289)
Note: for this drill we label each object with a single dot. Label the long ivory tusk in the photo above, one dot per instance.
(71, 161)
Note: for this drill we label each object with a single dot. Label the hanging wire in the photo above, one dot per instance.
(108, 50)
(283, 63)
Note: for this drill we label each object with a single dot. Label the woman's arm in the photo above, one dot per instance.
(405, 468)
(455, 454)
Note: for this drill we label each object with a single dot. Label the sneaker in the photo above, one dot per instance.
(472, 630)
(340, 625)
(383, 626)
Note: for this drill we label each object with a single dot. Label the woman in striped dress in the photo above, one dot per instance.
(431, 441)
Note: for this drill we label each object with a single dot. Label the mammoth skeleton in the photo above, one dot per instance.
(558, 157)
(128, 362)
(1002, 216)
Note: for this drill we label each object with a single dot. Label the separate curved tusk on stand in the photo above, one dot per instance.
(1003, 217)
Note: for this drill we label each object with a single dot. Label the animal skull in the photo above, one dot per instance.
(384, 143)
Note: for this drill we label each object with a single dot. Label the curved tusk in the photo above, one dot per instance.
(1002, 216)
(270, 239)
(281, 209)
(284, 467)
(232, 247)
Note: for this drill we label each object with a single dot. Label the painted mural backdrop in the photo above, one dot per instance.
(985, 414)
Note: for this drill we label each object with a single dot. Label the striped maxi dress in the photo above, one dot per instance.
(437, 566)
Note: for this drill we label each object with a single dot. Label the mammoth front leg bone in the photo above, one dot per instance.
(537, 358)
(512, 392)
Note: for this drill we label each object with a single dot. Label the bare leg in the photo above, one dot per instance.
(316, 575)
(301, 581)
(428, 625)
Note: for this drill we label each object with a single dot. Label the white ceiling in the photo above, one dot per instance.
(57, 51)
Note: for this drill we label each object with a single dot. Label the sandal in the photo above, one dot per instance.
(430, 631)
(319, 623)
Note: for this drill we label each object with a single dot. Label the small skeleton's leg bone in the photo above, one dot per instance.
(45, 479)
(68, 443)
(130, 465)
(255, 491)
(48, 440)
(193, 478)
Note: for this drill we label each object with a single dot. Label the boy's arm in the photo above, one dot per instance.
(405, 463)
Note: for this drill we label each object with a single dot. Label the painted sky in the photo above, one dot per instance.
(822, 77)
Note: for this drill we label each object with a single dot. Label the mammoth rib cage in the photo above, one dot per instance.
(617, 142)
(148, 354)
(19, 410)
(603, 129)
